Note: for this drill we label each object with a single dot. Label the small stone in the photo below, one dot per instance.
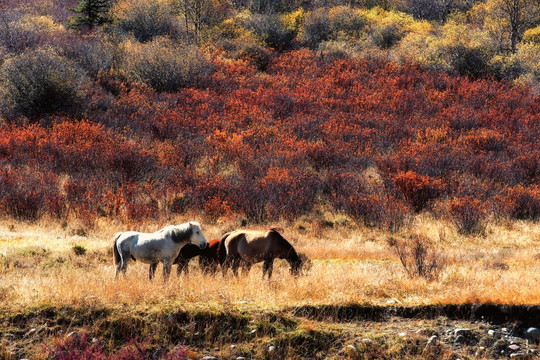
(532, 333)
(208, 357)
(491, 332)
(95, 340)
(467, 333)
(504, 330)
(240, 358)
(520, 356)
(233, 346)
(253, 331)
(432, 340)
(402, 334)
(460, 339)
(271, 348)
(514, 347)
(350, 350)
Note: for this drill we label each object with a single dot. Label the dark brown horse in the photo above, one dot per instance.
(245, 248)
(208, 257)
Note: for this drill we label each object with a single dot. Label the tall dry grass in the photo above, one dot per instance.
(350, 265)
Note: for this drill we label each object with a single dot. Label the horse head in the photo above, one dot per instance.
(300, 265)
(197, 237)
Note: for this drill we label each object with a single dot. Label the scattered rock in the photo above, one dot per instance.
(402, 334)
(533, 334)
(520, 356)
(350, 350)
(491, 332)
(253, 331)
(467, 333)
(233, 346)
(432, 340)
(95, 341)
(514, 347)
(460, 339)
(271, 349)
(240, 358)
(209, 358)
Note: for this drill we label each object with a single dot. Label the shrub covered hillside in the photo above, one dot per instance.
(270, 110)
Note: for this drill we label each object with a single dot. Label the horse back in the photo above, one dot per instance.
(253, 246)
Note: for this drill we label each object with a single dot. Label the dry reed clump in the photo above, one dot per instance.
(418, 256)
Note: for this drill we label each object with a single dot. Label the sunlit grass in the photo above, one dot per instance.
(350, 265)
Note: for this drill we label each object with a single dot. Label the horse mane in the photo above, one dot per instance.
(179, 233)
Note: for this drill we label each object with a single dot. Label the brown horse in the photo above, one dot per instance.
(242, 247)
(208, 257)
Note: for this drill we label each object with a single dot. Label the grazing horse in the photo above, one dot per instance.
(246, 248)
(162, 245)
(208, 257)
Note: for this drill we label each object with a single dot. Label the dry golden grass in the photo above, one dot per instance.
(350, 265)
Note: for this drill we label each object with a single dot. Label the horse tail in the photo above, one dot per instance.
(223, 249)
(115, 249)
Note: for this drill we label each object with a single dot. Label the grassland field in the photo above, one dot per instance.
(58, 280)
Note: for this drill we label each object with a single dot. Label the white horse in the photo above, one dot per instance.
(163, 245)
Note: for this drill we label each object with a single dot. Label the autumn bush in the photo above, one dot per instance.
(145, 20)
(14, 35)
(322, 25)
(271, 31)
(40, 82)
(26, 196)
(418, 190)
(468, 215)
(520, 202)
(165, 66)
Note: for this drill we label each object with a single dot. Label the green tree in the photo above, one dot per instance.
(91, 14)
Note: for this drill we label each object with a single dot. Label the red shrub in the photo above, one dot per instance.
(27, 196)
(468, 214)
(520, 202)
(418, 190)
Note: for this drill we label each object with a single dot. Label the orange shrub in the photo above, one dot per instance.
(418, 190)
(520, 202)
(468, 215)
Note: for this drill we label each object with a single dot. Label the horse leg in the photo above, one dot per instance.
(182, 266)
(268, 266)
(118, 266)
(225, 266)
(246, 268)
(166, 268)
(122, 265)
(204, 265)
(153, 268)
(235, 265)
